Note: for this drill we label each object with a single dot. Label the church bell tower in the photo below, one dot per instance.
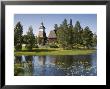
(42, 35)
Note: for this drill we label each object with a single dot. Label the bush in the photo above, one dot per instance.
(53, 45)
(28, 46)
(79, 46)
(36, 46)
(18, 47)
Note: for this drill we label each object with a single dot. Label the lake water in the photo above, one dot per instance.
(68, 65)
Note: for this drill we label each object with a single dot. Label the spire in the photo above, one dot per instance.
(42, 28)
(42, 21)
(42, 24)
(42, 34)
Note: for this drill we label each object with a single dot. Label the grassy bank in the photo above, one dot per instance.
(54, 51)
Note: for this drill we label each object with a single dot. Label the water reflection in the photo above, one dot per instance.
(77, 65)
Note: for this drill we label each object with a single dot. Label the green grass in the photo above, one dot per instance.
(54, 51)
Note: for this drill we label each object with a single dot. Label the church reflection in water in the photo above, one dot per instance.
(81, 65)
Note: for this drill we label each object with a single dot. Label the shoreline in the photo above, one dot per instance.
(45, 52)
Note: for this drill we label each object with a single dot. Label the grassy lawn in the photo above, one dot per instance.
(54, 51)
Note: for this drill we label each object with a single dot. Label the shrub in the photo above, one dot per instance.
(28, 46)
(18, 47)
(79, 46)
(53, 45)
(36, 46)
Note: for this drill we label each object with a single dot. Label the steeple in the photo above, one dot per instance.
(42, 28)
(42, 23)
(42, 34)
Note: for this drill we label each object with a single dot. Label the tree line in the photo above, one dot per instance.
(68, 36)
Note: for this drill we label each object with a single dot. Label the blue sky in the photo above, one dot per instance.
(49, 20)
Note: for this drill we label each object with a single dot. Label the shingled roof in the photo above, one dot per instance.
(52, 34)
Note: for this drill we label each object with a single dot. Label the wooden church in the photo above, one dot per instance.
(43, 39)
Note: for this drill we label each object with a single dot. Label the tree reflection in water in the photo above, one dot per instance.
(77, 65)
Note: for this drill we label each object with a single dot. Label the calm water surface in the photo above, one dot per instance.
(74, 65)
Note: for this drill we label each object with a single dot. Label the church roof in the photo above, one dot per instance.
(42, 26)
(52, 34)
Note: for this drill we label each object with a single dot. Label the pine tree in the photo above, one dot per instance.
(65, 35)
(77, 30)
(18, 31)
(70, 35)
(87, 37)
(55, 28)
(30, 39)
(62, 34)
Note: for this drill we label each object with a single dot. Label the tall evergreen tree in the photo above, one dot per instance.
(62, 34)
(25, 37)
(18, 31)
(87, 37)
(65, 34)
(77, 26)
(70, 35)
(55, 28)
(71, 24)
(30, 39)
(77, 30)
